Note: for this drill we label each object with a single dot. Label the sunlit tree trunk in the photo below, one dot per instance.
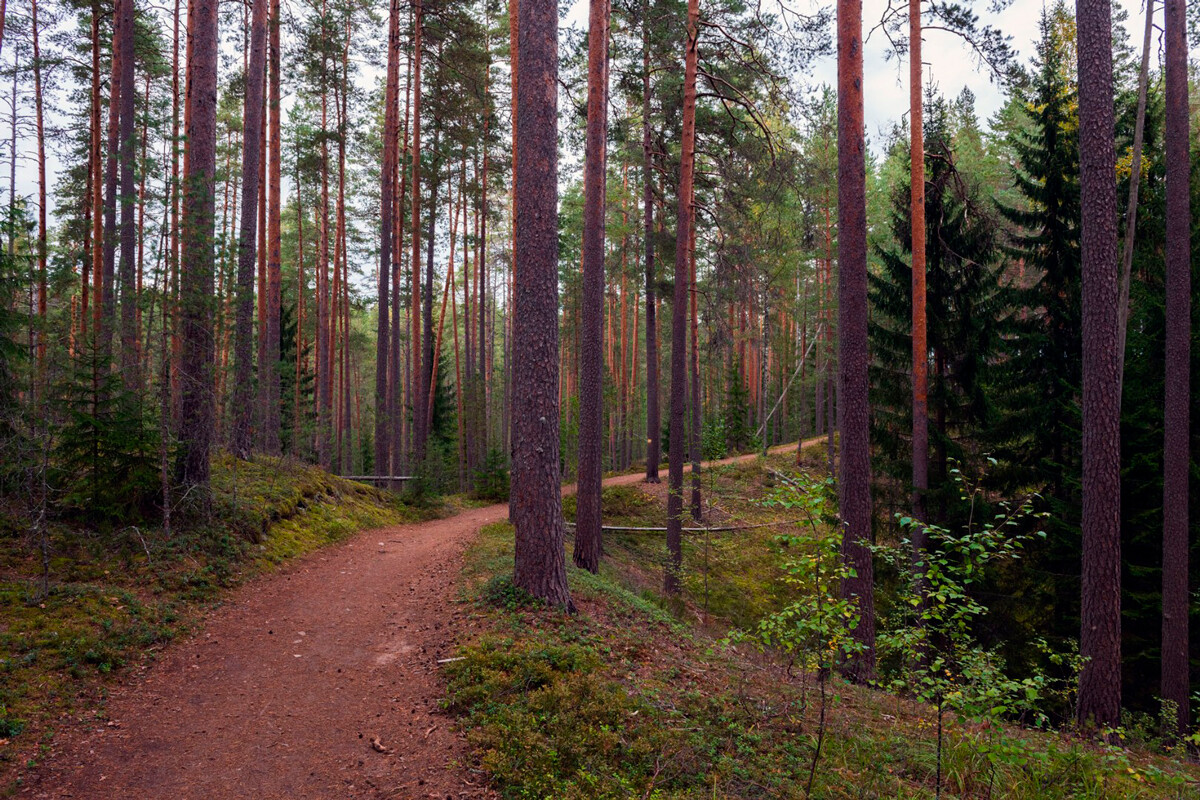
(920, 350)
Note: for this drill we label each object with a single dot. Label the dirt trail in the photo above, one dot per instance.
(318, 682)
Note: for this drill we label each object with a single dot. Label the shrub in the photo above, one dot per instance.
(491, 478)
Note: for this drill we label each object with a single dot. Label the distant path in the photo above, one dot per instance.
(282, 692)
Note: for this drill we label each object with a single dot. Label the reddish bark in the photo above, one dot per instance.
(269, 372)
(854, 483)
(535, 505)
(252, 136)
(197, 407)
(391, 115)
(920, 349)
(679, 315)
(418, 390)
(694, 315)
(588, 542)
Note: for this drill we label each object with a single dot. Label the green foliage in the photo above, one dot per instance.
(738, 434)
(501, 592)
(491, 478)
(714, 440)
(928, 643)
(623, 701)
(965, 307)
(107, 455)
(816, 629)
(9, 726)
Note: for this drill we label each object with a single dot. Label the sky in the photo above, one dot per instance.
(948, 62)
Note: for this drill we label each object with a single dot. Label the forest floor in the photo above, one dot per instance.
(319, 681)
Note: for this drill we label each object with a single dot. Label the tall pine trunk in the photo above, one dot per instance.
(418, 389)
(391, 112)
(127, 94)
(588, 543)
(269, 372)
(252, 131)
(1176, 428)
(535, 504)
(679, 306)
(1100, 637)
(854, 483)
(920, 350)
(197, 412)
(41, 165)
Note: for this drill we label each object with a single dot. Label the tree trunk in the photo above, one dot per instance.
(196, 279)
(1100, 638)
(430, 357)
(106, 295)
(481, 291)
(391, 112)
(694, 317)
(252, 131)
(124, 42)
(176, 191)
(1135, 175)
(399, 360)
(41, 163)
(679, 314)
(588, 542)
(97, 173)
(854, 485)
(535, 506)
(418, 389)
(324, 372)
(1176, 428)
(269, 373)
(920, 354)
(301, 337)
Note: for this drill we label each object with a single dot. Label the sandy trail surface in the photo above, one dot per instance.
(320, 681)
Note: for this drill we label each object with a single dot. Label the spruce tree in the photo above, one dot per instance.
(1036, 436)
(966, 308)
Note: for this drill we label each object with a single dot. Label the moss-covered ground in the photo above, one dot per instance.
(115, 597)
(637, 697)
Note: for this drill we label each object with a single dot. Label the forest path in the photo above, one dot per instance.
(289, 686)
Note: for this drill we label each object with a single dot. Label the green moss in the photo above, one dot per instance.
(117, 597)
(626, 699)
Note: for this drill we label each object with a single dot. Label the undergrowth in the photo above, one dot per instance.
(115, 597)
(631, 698)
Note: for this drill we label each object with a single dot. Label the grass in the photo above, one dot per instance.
(634, 697)
(117, 597)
